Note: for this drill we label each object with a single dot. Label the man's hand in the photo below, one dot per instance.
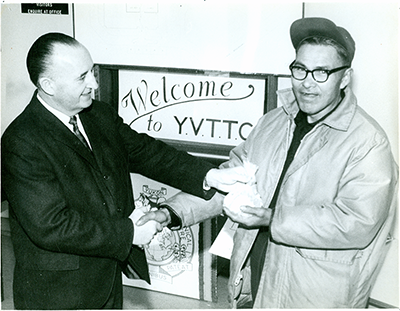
(143, 233)
(223, 179)
(161, 216)
(250, 217)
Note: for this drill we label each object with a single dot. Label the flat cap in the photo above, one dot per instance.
(316, 26)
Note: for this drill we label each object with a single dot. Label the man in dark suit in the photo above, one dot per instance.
(66, 164)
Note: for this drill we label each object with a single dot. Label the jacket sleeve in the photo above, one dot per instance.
(360, 206)
(161, 162)
(192, 210)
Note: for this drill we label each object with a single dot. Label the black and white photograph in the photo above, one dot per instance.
(200, 154)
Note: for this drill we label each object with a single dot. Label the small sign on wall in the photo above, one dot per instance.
(45, 8)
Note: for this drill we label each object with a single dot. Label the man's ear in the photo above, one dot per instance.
(46, 85)
(346, 79)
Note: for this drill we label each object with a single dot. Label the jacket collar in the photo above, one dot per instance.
(339, 119)
(51, 125)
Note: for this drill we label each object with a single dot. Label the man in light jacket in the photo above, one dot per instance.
(327, 179)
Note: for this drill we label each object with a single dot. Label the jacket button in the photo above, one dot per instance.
(119, 210)
(106, 177)
(238, 279)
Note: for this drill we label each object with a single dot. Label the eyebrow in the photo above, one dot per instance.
(86, 72)
(83, 75)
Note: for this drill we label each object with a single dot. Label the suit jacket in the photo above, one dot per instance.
(69, 207)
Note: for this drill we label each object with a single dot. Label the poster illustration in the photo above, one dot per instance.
(179, 261)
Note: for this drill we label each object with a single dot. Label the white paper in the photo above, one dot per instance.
(223, 244)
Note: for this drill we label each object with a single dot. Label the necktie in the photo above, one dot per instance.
(78, 134)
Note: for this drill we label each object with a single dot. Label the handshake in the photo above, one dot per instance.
(147, 223)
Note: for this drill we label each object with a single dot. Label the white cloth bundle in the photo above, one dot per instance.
(244, 194)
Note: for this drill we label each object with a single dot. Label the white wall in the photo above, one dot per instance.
(215, 35)
(18, 32)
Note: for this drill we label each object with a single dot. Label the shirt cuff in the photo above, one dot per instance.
(176, 222)
(206, 187)
(208, 192)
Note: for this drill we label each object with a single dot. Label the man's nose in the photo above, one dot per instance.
(92, 83)
(309, 81)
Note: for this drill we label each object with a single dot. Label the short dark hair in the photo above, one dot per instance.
(317, 40)
(38, 59)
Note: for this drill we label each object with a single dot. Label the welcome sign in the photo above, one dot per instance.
(187, 107)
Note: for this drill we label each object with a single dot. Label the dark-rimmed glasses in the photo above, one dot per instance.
(319, 75)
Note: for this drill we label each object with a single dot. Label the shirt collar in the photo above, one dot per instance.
(61, 116)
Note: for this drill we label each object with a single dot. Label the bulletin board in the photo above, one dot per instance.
(205, 113)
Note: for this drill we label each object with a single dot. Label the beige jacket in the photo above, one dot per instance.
(334, 216)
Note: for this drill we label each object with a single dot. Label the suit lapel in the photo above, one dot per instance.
(52, 126)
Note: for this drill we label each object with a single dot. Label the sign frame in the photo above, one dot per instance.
(107, 76)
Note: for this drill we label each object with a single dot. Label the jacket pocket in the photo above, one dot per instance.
(49, 262)
(320, 272)
(340, 256)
